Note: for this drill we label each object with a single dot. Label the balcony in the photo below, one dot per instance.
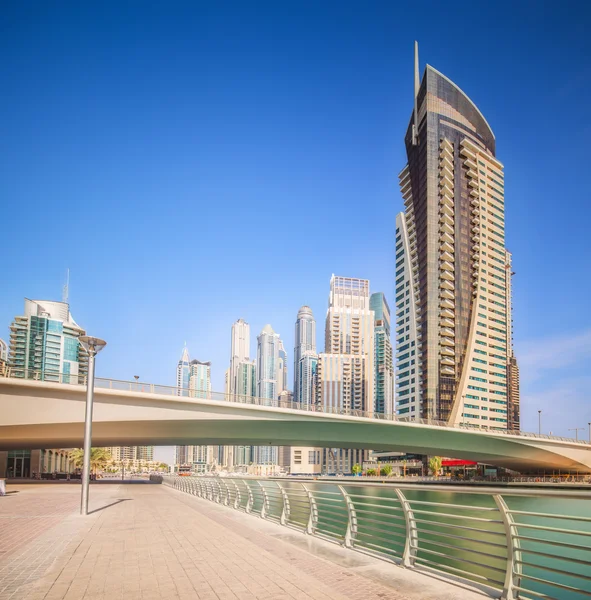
(446, 360)
(448, 332)
(447, 290)
(447, 351)
(446, 237)
(447, 247)
(446, 228)
(446, 322)
(447, 275)
(446, 218)
(448, 371)
(446, 265)
(448, 341)
(473, 183)
(447, 313)
(446, 303)
(446, 209)
(446, 256)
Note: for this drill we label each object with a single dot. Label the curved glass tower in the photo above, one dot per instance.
(453, 288)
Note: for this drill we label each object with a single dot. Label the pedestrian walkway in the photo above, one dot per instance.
(151, 541)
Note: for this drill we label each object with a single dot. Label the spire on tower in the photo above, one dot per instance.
(415, 124)
(66, 288)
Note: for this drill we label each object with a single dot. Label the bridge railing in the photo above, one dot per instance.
(511, 542)
(184, 393)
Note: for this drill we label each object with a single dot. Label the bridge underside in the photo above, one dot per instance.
(45, 415)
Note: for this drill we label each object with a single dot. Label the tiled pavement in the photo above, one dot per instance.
(149, 541)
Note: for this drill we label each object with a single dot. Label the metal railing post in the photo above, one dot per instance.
(285, 512)
(313, 516)
(513, 570)
(237, 497)
(250, 501)
(265, 501)
(351, 519)
(412, 537)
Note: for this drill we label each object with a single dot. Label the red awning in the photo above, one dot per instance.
(457, 463)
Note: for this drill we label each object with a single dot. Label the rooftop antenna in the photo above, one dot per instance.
(415, 125)
(66, 288)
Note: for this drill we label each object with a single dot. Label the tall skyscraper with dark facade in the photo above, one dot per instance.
(453, 272)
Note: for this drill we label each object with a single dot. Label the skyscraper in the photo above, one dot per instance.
(239, 353)
(305, 358)
(383, 366)
(346, 367)
(183, 374)
(200, 379)
(452, 268)
(44, 343)
(193, 379)
(271, 376)
(3, 356)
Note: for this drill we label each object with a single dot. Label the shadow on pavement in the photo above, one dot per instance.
(108, 505)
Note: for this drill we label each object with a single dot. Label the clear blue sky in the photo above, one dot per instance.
(193, 163)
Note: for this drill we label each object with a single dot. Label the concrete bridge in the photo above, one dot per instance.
(42, 414)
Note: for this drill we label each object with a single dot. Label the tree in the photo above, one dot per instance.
(99, 458)
(371, 472)
(386, 471)
(435, 465)
(356, 469)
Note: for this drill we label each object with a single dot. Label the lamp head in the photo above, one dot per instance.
(92, 345)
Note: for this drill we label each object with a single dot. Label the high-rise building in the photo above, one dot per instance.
(305, 366)
(453, 273)
(240, 382)
(383, 366)
(44, 344)
(271, 376)
(200, 379)
(183, 374)
(346, 367)
(305, 358)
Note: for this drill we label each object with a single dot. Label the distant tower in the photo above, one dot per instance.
(183, 373)
(305, 358)
(346, 367)
(383, 367)
(200, 379)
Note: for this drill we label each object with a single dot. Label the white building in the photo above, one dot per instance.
(346, 367)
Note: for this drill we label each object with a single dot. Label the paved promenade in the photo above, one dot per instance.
(147, 541)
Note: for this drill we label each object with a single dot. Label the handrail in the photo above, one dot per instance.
(175, 391)
(444, 540)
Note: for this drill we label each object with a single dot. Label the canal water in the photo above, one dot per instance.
(464, 537)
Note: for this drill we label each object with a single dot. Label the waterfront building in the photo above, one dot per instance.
(47, 463)
(346, 367)
(183, 373)
(44, 344)
(383, 365)
(127, 454)
(453, 274)
(200, 379)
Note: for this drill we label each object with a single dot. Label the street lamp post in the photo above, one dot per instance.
(576, 430)
(93, 346)
(540, 422)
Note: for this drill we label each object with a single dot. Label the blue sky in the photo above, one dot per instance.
(193, 163)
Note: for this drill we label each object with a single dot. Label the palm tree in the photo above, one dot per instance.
(99, 458)
(386, 471)
(356, 469)
(435, 465)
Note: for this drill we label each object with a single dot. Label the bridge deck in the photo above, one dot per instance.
(150, 541)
